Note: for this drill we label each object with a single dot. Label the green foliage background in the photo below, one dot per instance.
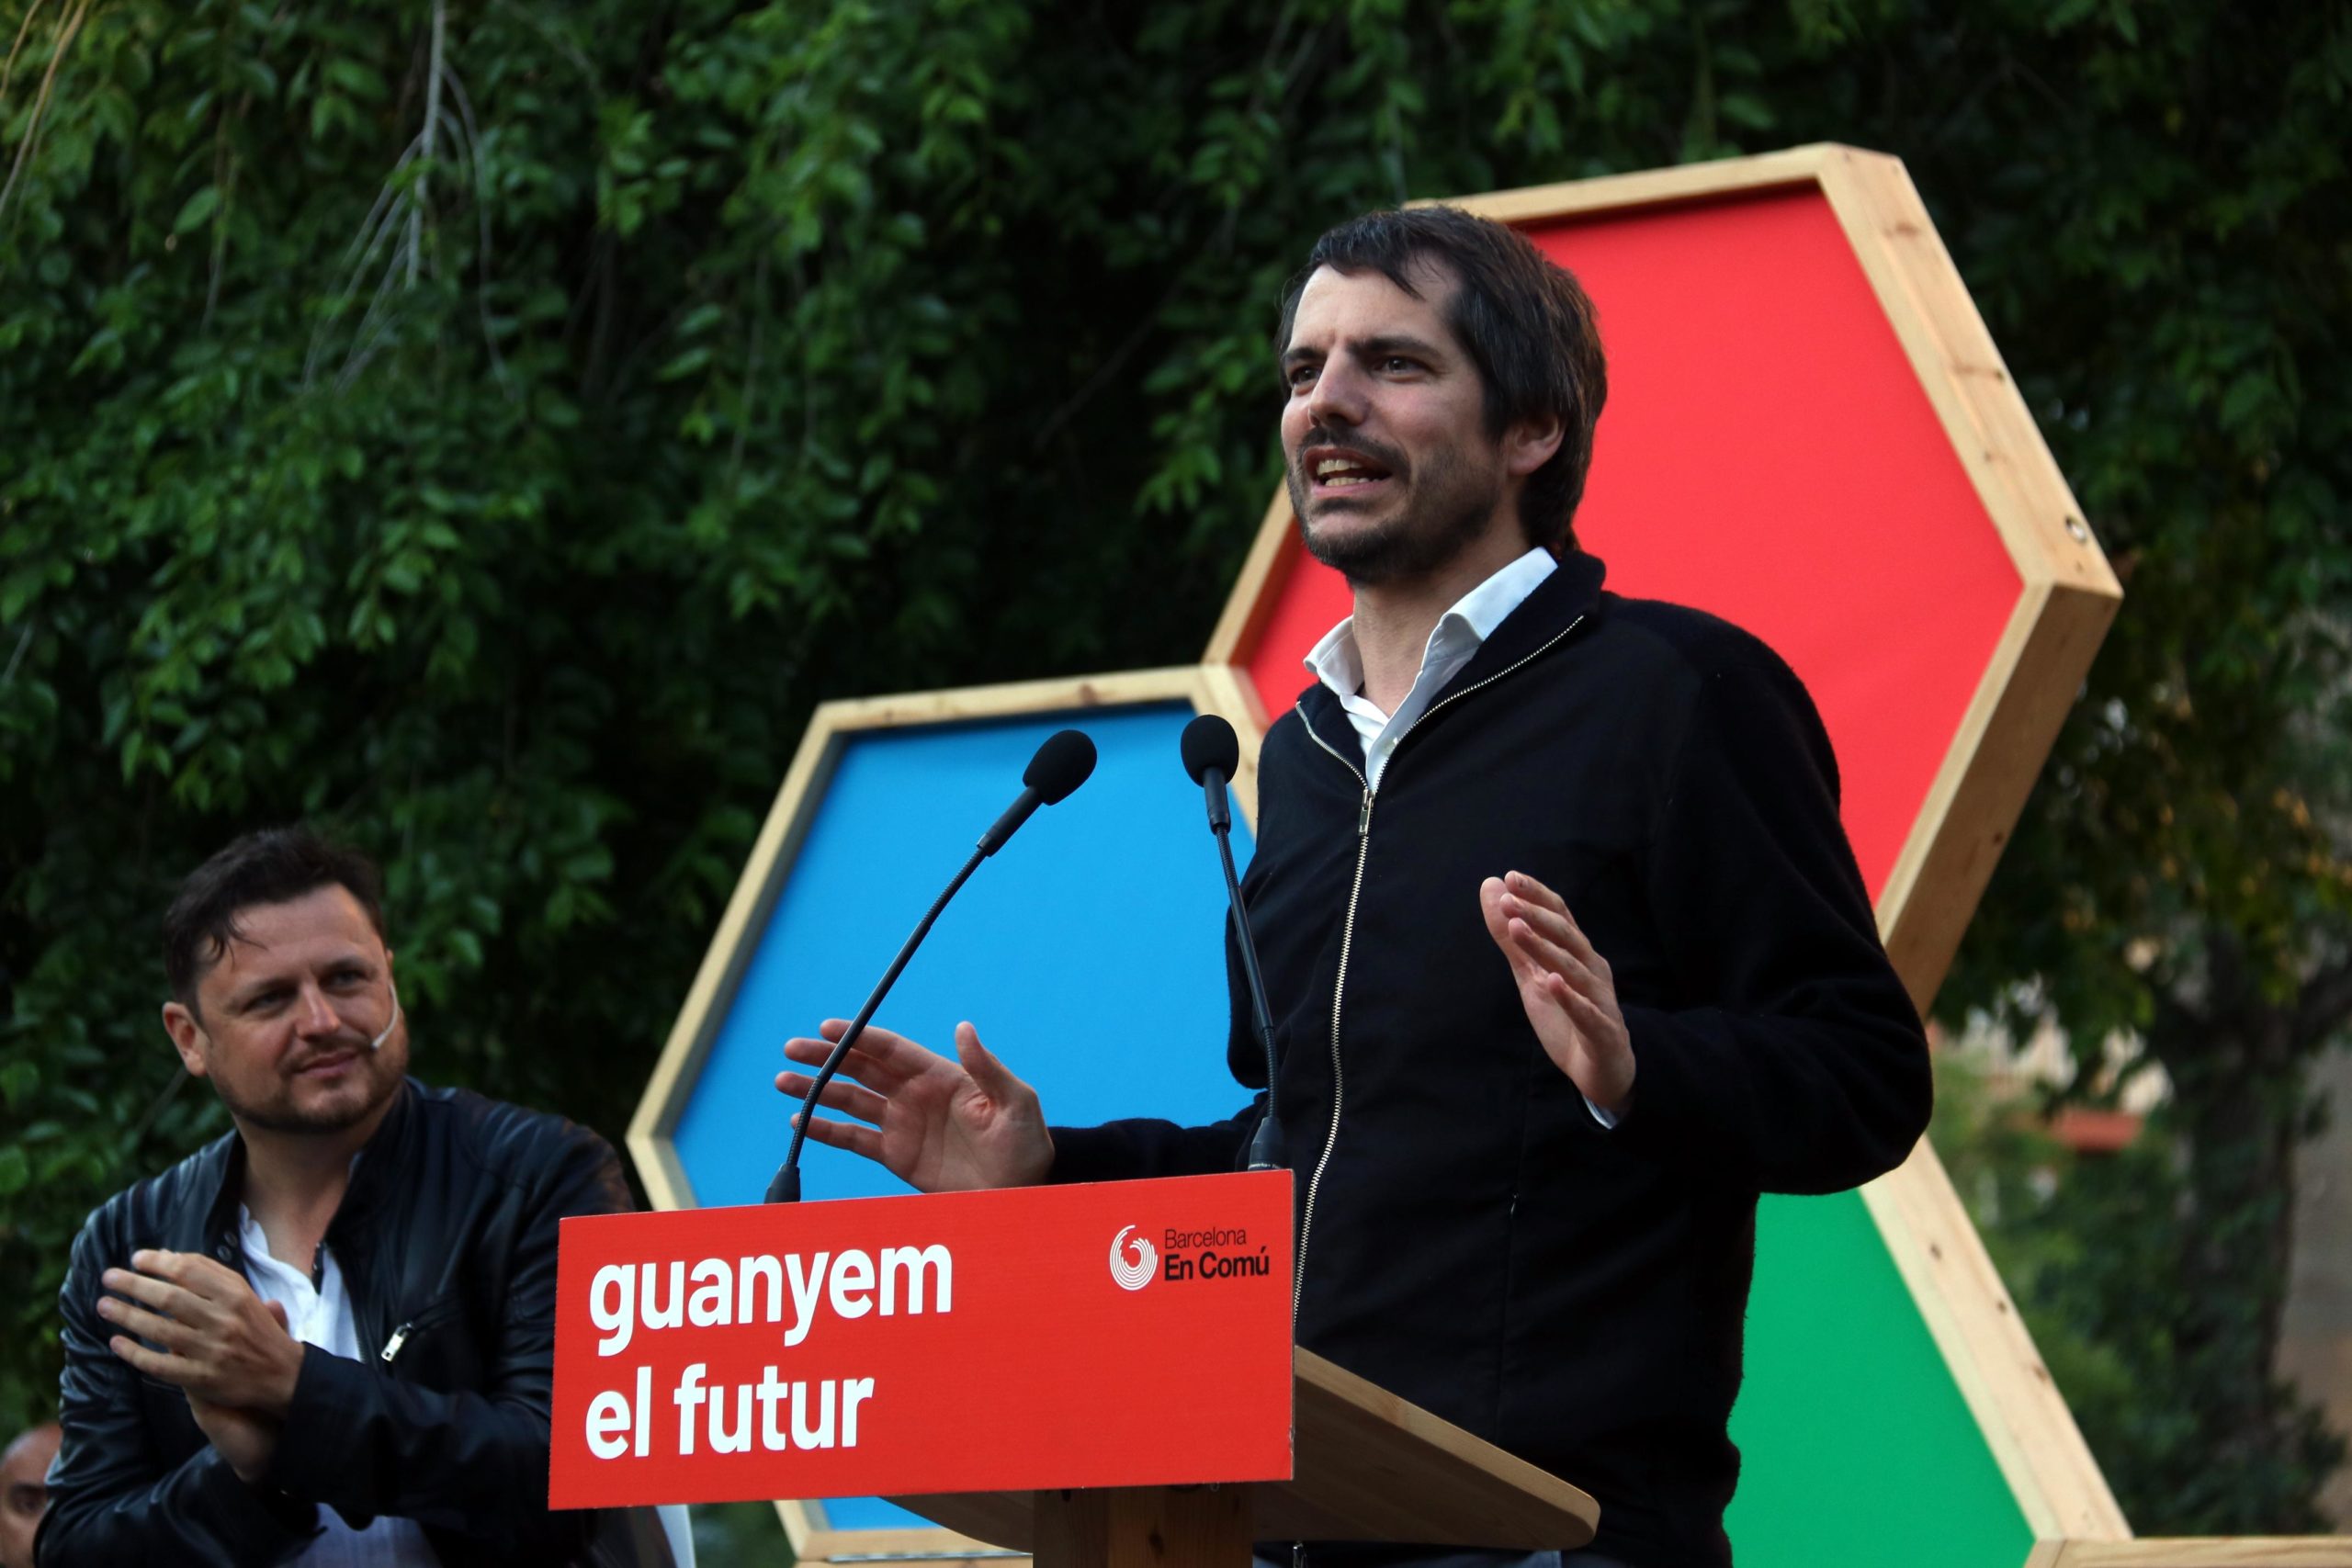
(489, 427)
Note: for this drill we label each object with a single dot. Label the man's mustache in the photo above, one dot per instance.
(337, 1046)
(1317, 436)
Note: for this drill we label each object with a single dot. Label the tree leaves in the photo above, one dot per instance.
(508, 507)
(200, 208)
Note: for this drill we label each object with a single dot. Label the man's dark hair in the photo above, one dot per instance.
(1526, 323)
(272, 865)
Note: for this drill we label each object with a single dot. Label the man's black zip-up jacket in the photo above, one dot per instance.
(1469, 1234)
(446, 1241)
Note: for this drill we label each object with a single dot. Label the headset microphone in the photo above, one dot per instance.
(378, 1043)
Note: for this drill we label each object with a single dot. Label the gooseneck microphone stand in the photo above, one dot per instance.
(1060, 765)
(1212, 751)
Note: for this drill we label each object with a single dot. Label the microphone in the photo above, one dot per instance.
(391, 1023)
(1211, 753)
(1059, 766)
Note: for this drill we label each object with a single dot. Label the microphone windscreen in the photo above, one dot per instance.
(1061, 764)
(1209, 742)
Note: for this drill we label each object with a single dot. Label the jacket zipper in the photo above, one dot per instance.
(1338, 992)
(426, 1317)
(1347, 929)
(434, 1311)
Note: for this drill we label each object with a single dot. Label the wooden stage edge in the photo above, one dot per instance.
(2239, 1551)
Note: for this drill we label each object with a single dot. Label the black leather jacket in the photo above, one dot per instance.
(447, 1240)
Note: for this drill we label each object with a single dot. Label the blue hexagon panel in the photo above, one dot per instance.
(1088, 952)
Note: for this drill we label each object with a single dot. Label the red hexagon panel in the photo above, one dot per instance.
(1809, 432)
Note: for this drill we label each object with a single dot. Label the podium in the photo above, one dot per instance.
(1370, 1466)
(1101, 1375)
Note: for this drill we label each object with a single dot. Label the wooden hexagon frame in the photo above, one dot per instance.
(652, 1132)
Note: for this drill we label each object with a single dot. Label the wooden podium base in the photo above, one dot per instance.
(1370, 1466)
(1144, 1526)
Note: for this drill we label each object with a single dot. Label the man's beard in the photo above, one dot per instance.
(1449, 510)
(285, 1117)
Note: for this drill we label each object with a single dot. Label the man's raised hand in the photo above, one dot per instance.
(1565, 986)
(246, 1439)
(938, 1125)
(208, 1334)
(206, 1331)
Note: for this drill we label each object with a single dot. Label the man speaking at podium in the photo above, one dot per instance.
(1568, 955)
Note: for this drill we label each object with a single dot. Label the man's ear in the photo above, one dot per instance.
(1530, 443)
(187, 1037)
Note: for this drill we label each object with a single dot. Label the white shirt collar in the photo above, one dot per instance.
(1459, 634)
(1335, 661)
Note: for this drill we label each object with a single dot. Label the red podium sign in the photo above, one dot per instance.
(1124, 1334)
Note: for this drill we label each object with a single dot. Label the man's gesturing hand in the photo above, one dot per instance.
(938, 1125)
(1565, 986)
(246, 1439)
(219, 1344)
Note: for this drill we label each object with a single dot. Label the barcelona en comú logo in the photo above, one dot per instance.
(1134, 1273)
